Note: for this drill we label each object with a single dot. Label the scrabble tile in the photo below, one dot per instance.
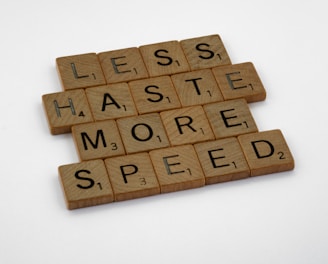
(80, 71)
(97, 140)
(222, 160)
(164, 58)
(122, 65)
(142, 133)
(230, 118)
(240, 81)
(186, 125)
(85, 184)
(132, 176)
(177, 168)
(205, 52)
(197, 87)
(266, 152)
(65, 109)
(111, 101)
(154, 94)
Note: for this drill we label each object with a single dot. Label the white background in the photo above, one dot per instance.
(278, 218)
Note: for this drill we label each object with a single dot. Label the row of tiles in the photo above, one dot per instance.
(173, 169)
(166, 58)
(152, 95)
(175, 127)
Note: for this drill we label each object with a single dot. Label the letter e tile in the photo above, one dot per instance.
(240, 81)
(266, 152)
(85, 184)
(230, 118)
(132, 176)
(222, 160)
(122, 65)
(177, 168)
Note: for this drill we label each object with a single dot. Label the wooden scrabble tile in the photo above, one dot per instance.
(111, 101)
(222, 160)
(197, 87)
(205, 52)
(142, 133)
(80, 71)
(154, 94)
(266, 152)
(132, 176)
(122, 65)
(65, 109)
(230, 118)
(177, 168)
(164, 58)
(85, 184)
(240, 81)
(97, 140)
(186, 125)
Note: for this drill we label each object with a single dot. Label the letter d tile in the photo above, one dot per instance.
(266, 152)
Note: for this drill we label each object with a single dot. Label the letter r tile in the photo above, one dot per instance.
(80, 71)
(186, 125)
(85, 184)
(177, 168)
(266, 152)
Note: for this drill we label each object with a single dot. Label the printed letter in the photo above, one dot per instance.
(124, 173)
(265, 154)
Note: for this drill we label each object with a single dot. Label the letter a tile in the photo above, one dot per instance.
(266, 152)
(111, 101)
(85, 184)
